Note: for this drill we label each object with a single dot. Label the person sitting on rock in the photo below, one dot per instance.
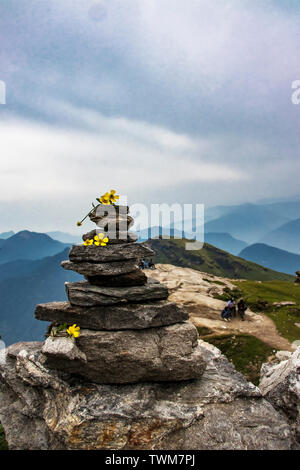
(226, 314)
(141, 264)
(241, 309)
(151, 264)
(232, 307)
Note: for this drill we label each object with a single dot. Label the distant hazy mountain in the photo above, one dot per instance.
(273, 258)
(27, 284)
(65, 237)
(226, 242)
(290, 209)
(211, 260)
(156, 232)
(6, 235)
(29, 245)
(286, 237)
(248, 222)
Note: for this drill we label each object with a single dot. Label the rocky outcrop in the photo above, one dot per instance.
(280, 385)
(47, 409)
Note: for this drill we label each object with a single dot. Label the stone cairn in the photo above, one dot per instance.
(129, 331)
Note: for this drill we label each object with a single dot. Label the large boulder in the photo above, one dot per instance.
(154, 354)
(280, 385)
(46, 409)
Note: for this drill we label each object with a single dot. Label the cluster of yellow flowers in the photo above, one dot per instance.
(106, 199)
(99, 239)
(73, 331)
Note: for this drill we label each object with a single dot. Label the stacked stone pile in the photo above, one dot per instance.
(129, 331)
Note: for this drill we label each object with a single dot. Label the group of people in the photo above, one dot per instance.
(145, 264)
(231, 310)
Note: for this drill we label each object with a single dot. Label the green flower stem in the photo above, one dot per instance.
(95, 207)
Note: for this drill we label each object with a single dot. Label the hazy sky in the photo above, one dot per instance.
(163, 100)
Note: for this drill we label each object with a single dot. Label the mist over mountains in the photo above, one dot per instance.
(30, 271)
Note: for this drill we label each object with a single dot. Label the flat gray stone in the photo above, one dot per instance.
(103, 254)
(135, 278)
(103, 210)
(115, 238)
(87, 295)
(119, 223)
(156, 354)
(118, 317)
(101, 269)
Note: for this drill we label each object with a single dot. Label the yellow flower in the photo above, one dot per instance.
(73, 331)
(105, 199)
(113, 196)
(100, 239)
(88, 242)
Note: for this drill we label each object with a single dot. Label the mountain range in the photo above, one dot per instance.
(225, 241)
(271, 257)
(249, 222)
(211, 260)
(29, 245)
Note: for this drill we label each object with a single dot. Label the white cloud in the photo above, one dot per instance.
(40, 161)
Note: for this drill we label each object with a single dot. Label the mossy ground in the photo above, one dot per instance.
(3, 443)
(260, 296)
(246, 352)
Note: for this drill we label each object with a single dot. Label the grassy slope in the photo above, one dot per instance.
(211, 260)
(260, 297)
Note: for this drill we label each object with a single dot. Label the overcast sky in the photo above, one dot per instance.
(163, 100)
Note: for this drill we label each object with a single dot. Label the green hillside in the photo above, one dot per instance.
(261, 296)
(211, 260)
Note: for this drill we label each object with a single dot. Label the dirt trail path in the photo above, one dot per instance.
(195, 290)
